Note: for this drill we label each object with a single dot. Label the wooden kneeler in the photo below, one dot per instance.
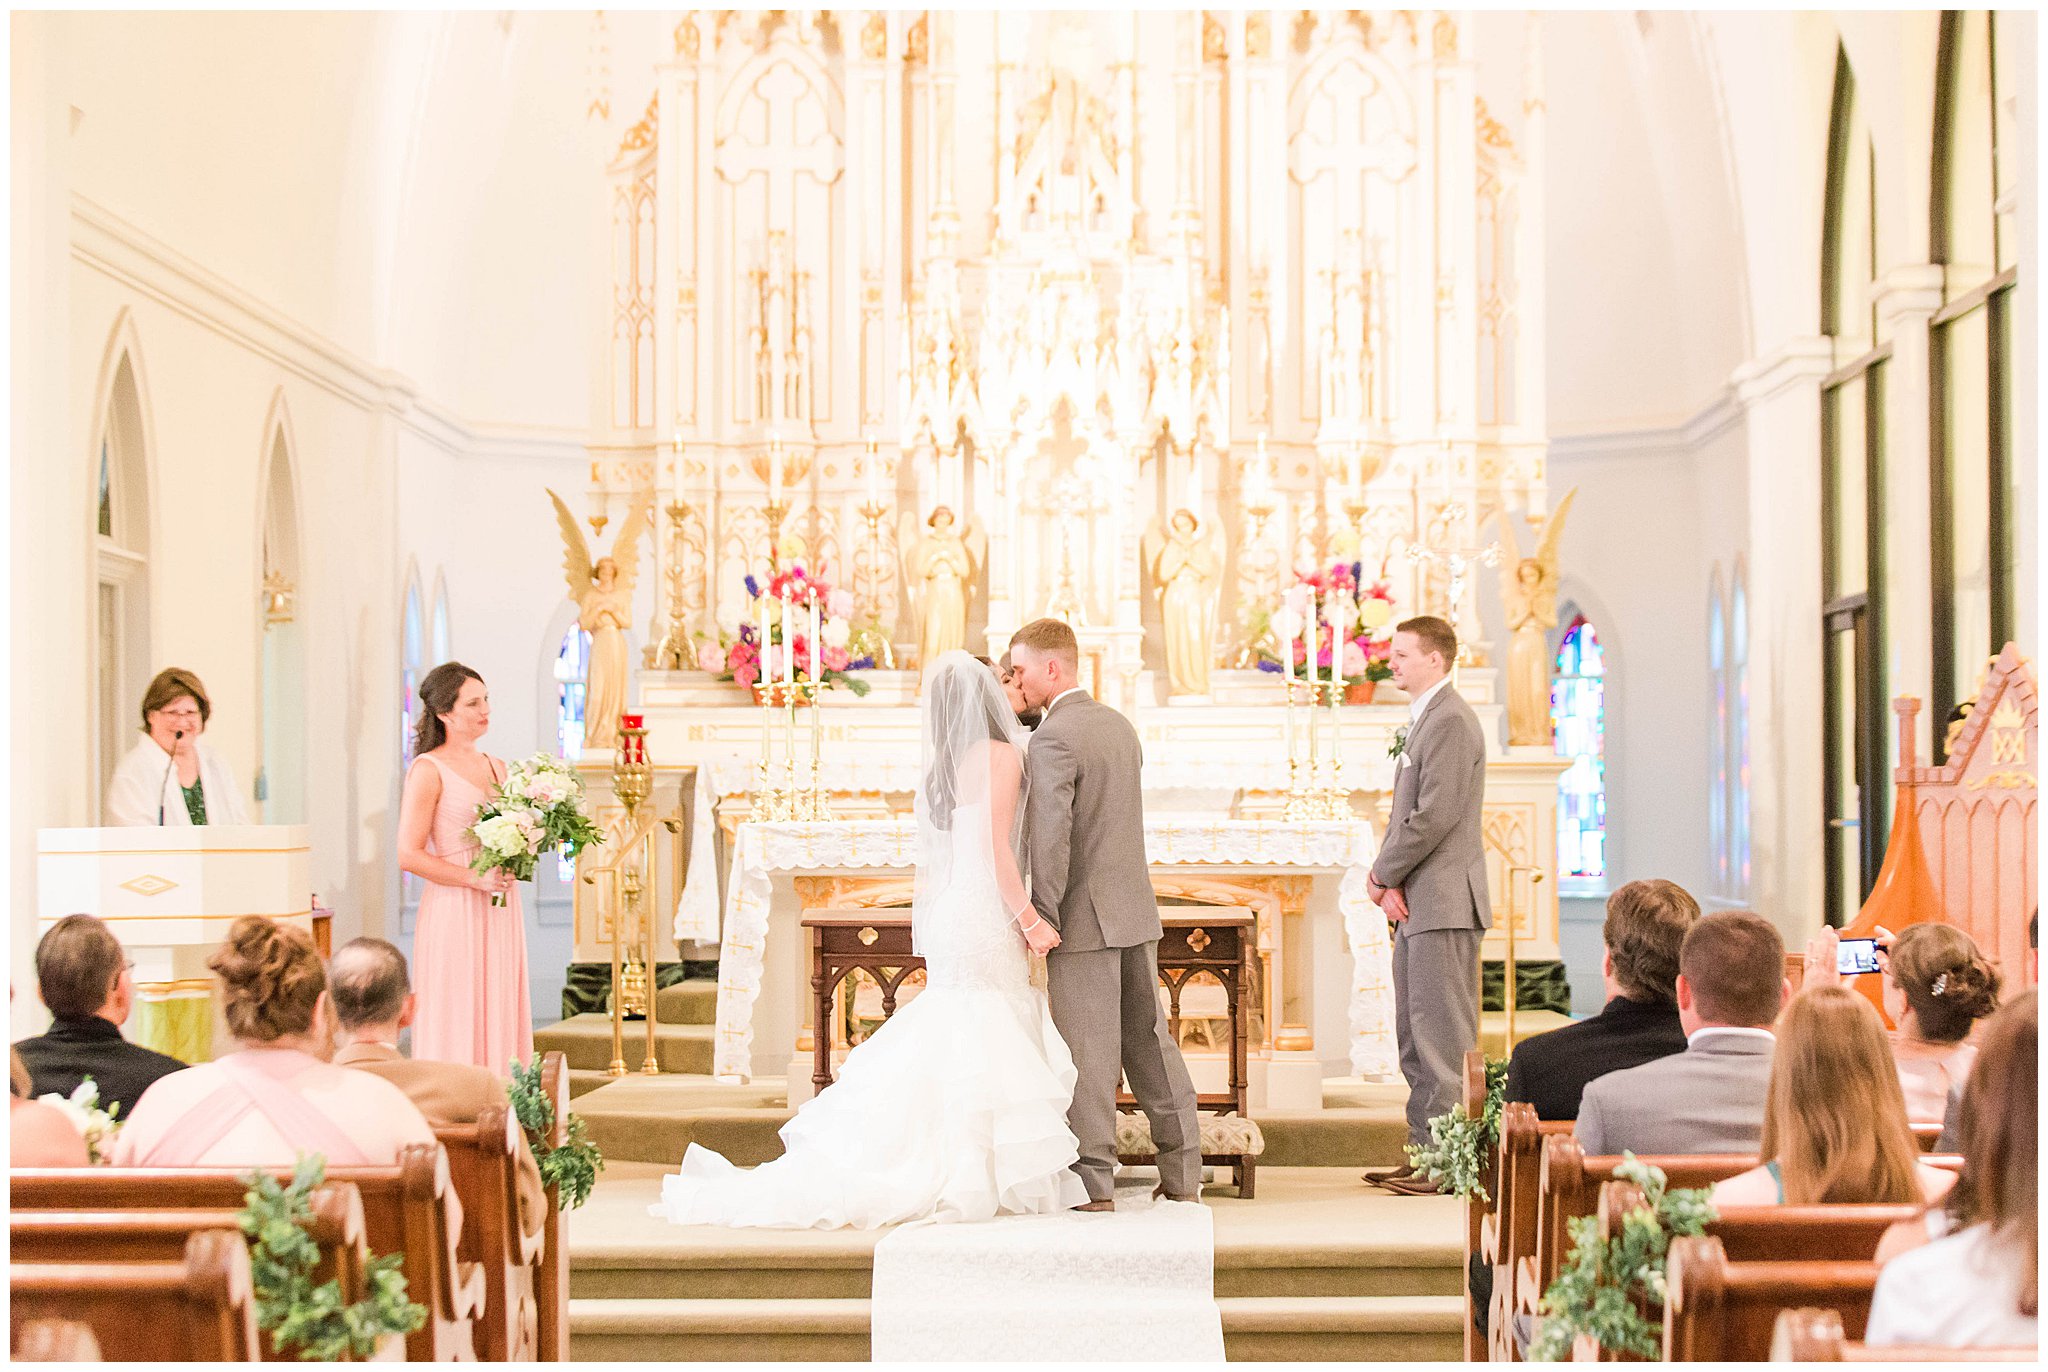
(199, 1308)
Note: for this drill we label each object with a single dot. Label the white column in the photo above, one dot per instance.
(1908, 299)
(1781, 398)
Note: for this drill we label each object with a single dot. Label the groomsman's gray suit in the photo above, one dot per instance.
(1085, 832)
(1708, 1099)
(1435, 856)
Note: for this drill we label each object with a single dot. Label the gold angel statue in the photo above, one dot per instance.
(942, 563)
(1528, 592)
(1187, 570)
(604, 599)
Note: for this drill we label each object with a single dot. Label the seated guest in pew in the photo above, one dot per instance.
(373, 1001)
(277, 1095)
(38, 1135)
(1710, 1098)
(1835, 1129)
(1978, 1287)
(1646, 923)
(88, 984)
(1952, 1115)
(1937, 985)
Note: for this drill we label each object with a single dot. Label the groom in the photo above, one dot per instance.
(1085, 833)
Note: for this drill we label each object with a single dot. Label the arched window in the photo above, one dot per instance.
(1856, 781)
(411, 663)
(1717, 790)
(442, 635)
(120, 518)
(1738, 677)
(281, 784)
(572, 684)
(1973, 493)
(1578, 723)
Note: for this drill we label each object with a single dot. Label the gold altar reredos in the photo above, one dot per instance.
(1071, 273)
(1068, 269)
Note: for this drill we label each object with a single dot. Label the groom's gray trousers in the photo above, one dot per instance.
(1091, 992)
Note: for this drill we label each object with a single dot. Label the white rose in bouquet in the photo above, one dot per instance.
(836, 633)
(82, 1107)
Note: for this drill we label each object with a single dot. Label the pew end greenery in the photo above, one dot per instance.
(1602, 1289)
(1459, 1145)
(571, 1169)
(282, 1258)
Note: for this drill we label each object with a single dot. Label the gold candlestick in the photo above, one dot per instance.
(673, 652)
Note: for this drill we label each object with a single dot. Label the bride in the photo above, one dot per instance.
(956, 1108)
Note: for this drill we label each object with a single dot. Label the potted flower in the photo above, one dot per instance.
(776, 639)
(1353, 626)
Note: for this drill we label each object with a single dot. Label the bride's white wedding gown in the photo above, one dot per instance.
(955, 1109)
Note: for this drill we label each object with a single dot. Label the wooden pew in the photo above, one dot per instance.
(483, 1160)
(1810, 1335)
(200, 1308)
(55, 1341)
(60, 1236)
(1568, 1186)
(405, 1209)
(1511, 1235)
(1718, 1310)
(551, 1281)
(1473, 1097)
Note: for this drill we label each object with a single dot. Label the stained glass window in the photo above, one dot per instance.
(572, 684)
(106, 492)
(412, 650)
(1578, 722)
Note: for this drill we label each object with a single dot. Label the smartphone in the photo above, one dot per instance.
(1856, 955)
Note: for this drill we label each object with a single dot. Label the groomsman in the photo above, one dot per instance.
(1430, 879)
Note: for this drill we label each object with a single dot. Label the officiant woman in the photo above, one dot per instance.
(170, 777)
(468, 956)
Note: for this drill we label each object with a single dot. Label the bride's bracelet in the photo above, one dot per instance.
(1017, 918)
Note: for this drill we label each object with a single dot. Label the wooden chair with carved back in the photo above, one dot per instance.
(201, 1307)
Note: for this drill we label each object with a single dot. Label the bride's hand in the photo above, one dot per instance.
(1041, 937)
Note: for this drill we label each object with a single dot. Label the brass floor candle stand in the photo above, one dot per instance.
(769, 804)
(631, 869)
(673, 652)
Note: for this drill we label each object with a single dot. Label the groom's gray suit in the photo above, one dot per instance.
(1089, 879)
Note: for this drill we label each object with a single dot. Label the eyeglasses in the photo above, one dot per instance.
(179, 714)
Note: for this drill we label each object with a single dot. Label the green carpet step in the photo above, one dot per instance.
(687, 1002)
(1255, 1329)
(586, 1040)
(583, 1080)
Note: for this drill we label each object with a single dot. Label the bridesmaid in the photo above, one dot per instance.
(469, 959)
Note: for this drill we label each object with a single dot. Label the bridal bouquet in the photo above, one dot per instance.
(82, 1108)
(536, 809)
(776, 643)
(1353, 623)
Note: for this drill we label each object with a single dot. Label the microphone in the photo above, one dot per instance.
(177, 737)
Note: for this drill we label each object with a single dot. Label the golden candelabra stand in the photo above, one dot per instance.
(790, 802)
(631, 871)
(874, 639)
(673, 652)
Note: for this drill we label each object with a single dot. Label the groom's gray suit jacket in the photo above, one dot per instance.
(1085, 828)
(1433, 851)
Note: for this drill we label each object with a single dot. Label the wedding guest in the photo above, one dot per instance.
(38, 1135)
(373, 1003)
(1978, 1287)
(170, 777)
(1835, 1129)
(472, 954)
(1646, 925)
(1937, 985)
(1710, 1098)
(276, 1095)
(88, 984)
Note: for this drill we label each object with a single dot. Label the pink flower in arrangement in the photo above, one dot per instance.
(839, 604)
(711, 658)
(836, 659)
(1354, 659)
(746, 674)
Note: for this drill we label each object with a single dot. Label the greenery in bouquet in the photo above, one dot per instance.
(536, 809)
(82, 1108)
(282, 1259)
(1354, 623)
(779, 622)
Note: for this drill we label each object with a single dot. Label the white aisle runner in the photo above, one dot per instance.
(1138, 1285)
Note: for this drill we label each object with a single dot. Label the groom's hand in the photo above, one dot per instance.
(1041, 937)
(1394, 904)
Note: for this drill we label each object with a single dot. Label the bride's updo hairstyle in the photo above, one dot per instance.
(271, 979)
(1946, 978)
(964, 707)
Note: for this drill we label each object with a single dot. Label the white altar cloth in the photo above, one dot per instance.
(761, 850)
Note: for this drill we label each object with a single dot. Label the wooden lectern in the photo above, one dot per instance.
(170, 895)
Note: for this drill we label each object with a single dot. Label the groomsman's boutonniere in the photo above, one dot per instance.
(1400, 743)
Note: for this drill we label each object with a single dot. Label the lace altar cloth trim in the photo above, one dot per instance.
(1134, 1286)
(761, 850)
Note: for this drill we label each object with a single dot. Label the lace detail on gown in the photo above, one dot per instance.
(955, 1109)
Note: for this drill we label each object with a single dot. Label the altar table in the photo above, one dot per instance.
(763, 987)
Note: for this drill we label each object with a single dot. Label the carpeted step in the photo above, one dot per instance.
(586, 1040)
(688, 1002)
(782, 1329)
(1493, 1028)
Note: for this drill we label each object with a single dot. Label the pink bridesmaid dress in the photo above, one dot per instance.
(469, 960)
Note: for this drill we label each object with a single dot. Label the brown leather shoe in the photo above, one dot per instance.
(1412, 1186)
(1381, 1176)
(1160, 1192)
(1097, 1206)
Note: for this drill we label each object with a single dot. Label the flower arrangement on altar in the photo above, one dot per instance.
(1349, 620)
(801, 630)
